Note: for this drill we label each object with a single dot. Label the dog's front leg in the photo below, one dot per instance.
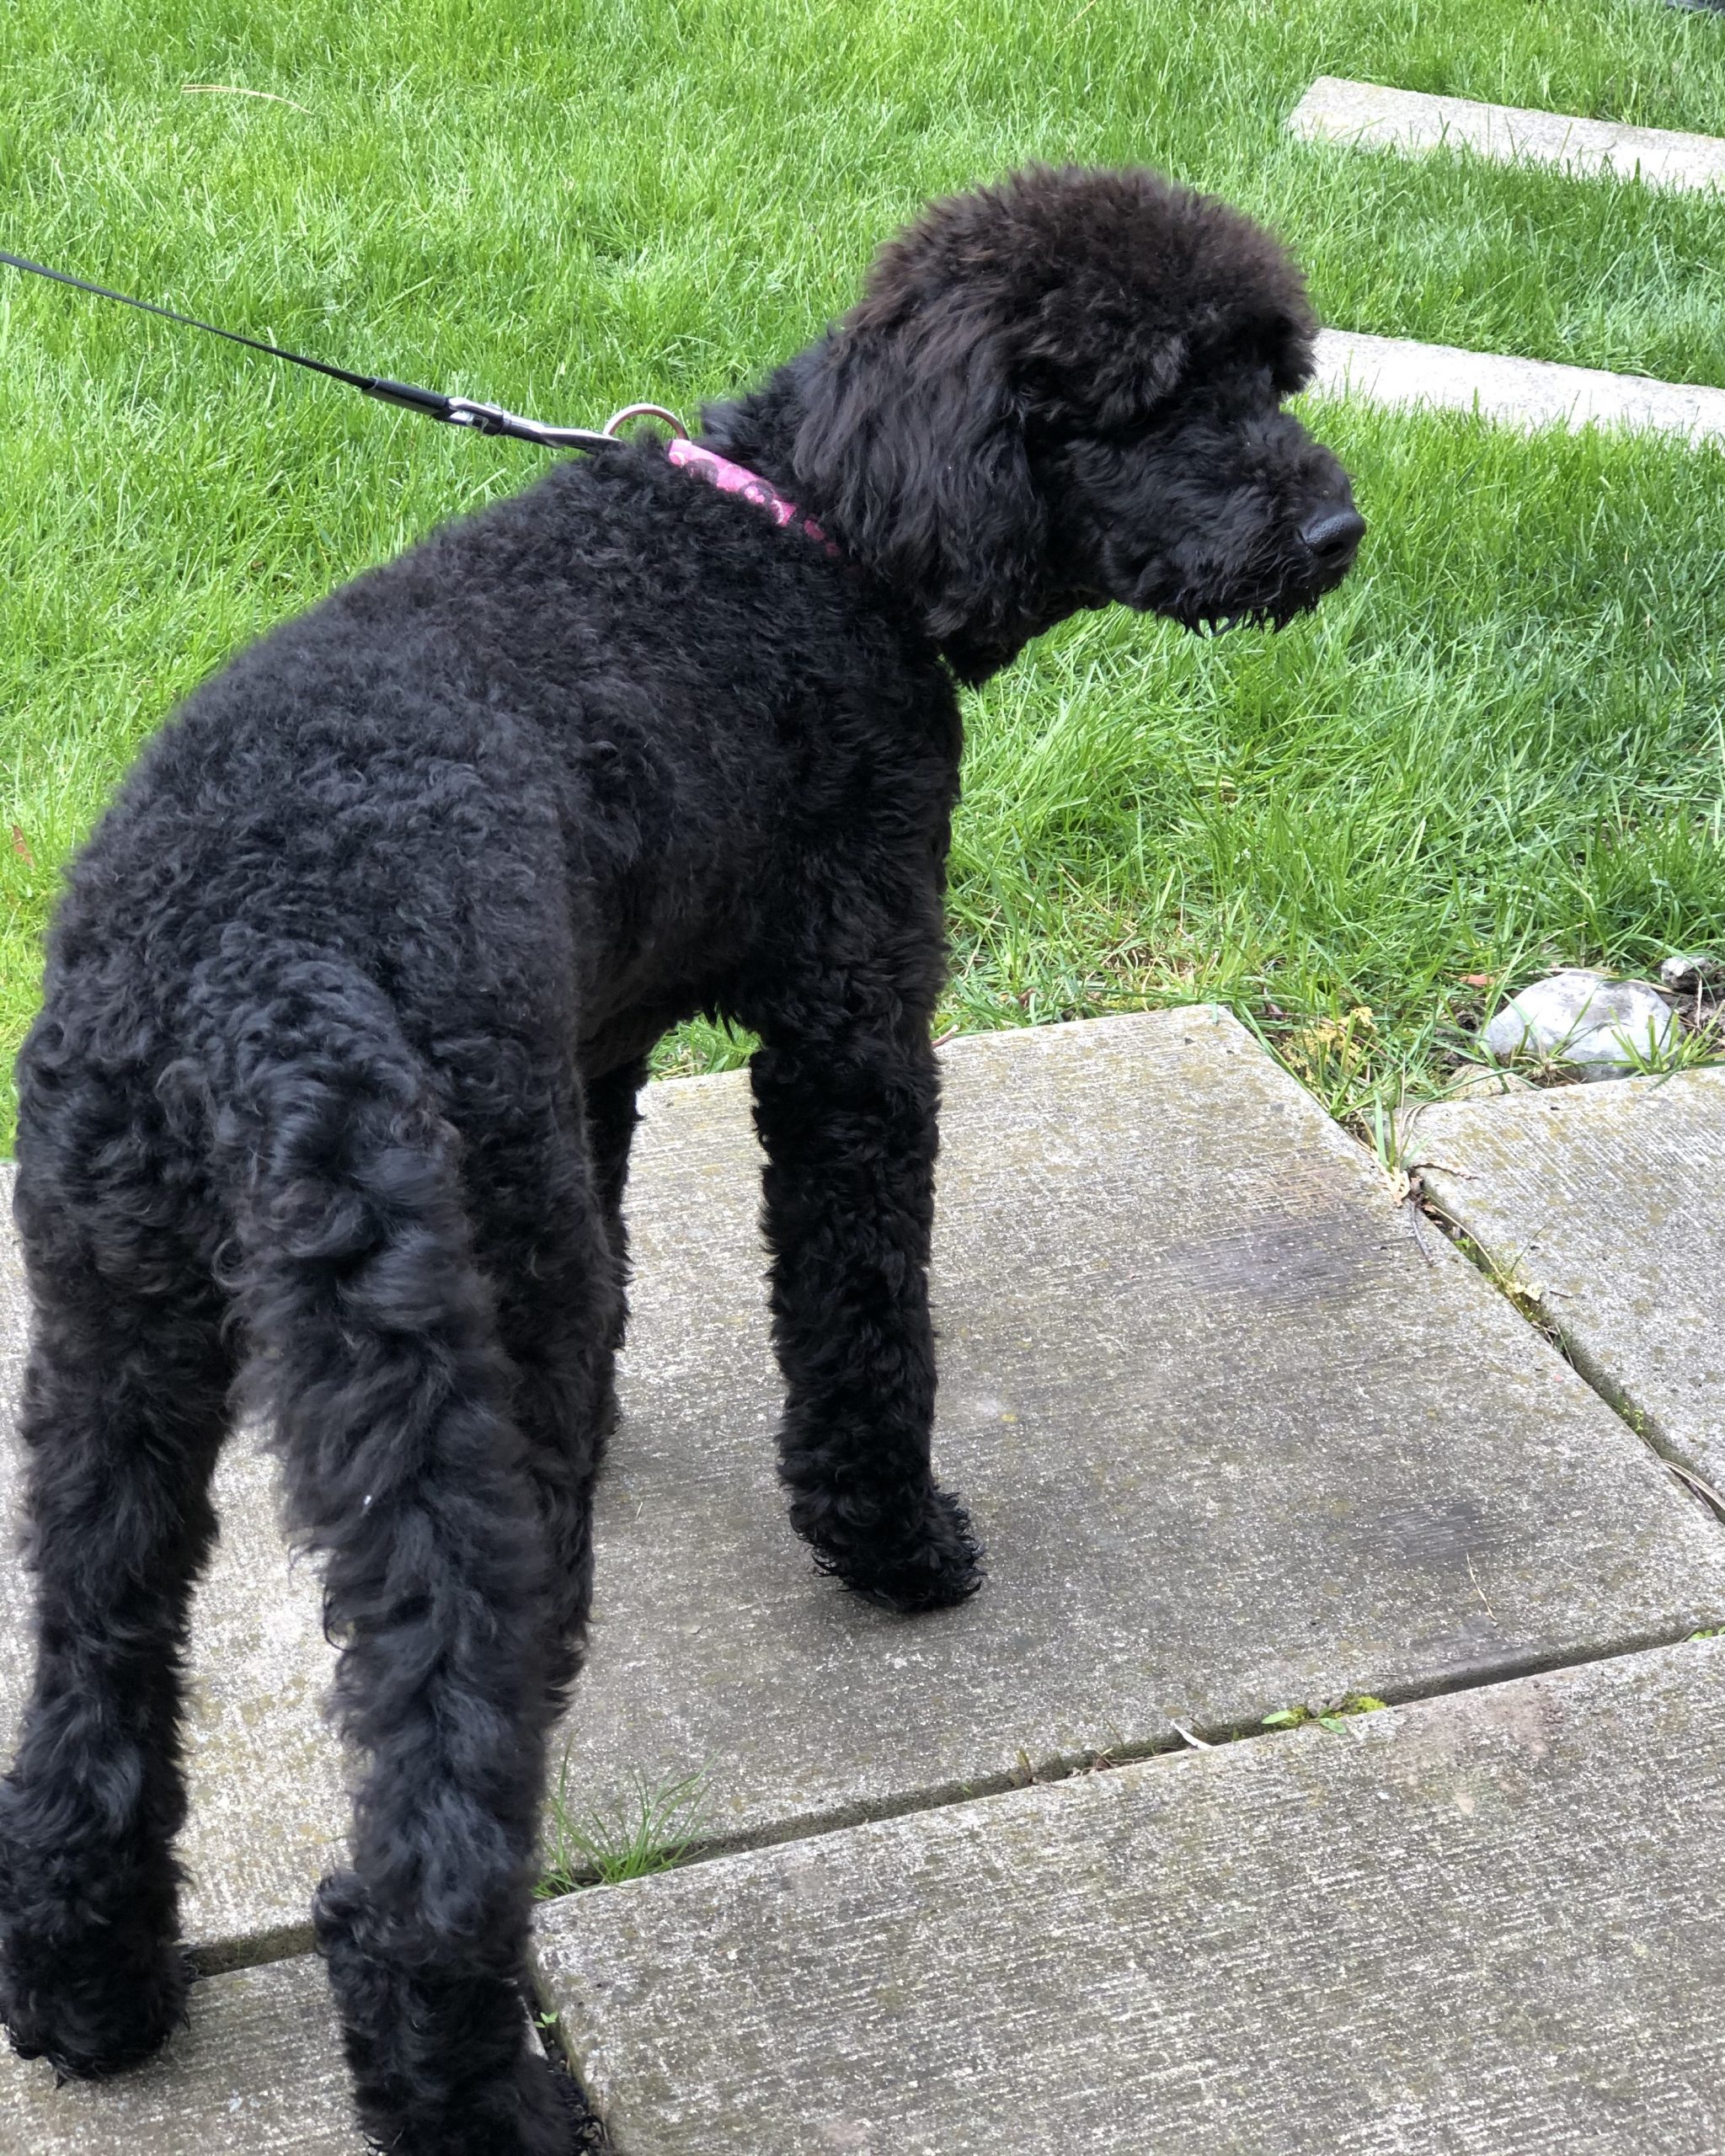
(849, 1125)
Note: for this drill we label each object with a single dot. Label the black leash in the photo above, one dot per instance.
(431, 403)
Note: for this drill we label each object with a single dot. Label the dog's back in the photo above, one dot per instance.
(531, 779)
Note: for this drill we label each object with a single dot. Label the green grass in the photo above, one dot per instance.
(652, 1829)
(1502, 744)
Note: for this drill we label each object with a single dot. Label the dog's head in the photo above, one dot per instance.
(1067, 389)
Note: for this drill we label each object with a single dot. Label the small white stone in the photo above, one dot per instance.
(1689, 970)
(1602, 1027)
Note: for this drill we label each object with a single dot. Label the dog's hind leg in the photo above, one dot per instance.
(404, 1467)
(124, 1406)
(549, 1238)
(846, 1098)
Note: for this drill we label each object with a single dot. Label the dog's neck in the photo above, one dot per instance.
(733, 478)
(760, 429)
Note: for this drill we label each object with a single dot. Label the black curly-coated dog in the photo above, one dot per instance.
(347, 1004)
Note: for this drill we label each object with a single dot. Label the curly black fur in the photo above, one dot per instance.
(347, 1007)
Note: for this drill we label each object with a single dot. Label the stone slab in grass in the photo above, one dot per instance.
(1515, 392)
(1233, 1441)
(257, 2071)
(1611, 1200)
(1370, 116)
(1486, 1925)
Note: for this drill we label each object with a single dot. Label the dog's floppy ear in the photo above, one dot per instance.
(911, 440)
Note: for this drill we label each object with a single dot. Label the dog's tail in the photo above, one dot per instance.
(376, 1352)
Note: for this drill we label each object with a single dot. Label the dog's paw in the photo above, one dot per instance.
(938, 1564)
(443, 2059)
(586, 2132)
(554, 2119)
(88, 2017)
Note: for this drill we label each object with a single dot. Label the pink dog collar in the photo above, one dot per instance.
(737, 479)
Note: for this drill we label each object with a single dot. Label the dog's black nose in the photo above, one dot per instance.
(1334, 532)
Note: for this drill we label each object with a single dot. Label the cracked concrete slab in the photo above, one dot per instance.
(1232, 1439)
(1609, 1200)
(1486, 1925)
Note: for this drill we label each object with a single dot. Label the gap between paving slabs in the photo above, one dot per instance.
(1484, 1924)
(583, 2011)
(258, 2069)
(1234, 1441)
(1604, 1206)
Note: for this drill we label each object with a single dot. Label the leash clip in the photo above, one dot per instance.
(493, 419)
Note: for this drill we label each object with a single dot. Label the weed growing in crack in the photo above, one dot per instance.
(652, 1828)
(1330, 1718)
(1527, 1297)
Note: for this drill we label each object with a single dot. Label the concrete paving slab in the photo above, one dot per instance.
(1371, 115)
(257, 2071)
(1232, 1440)
(1611, 1200)
(1488, 1925)
(1515, 392)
